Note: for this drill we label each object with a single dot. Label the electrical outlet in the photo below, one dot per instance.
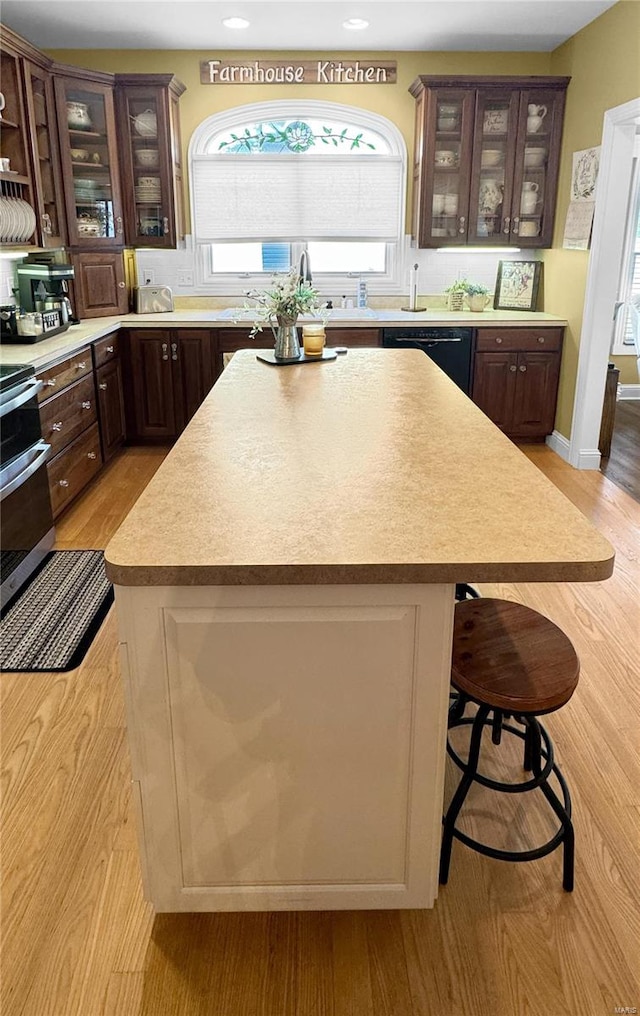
(148, 277)
(185, 277)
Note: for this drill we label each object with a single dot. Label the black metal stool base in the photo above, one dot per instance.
(537, 748)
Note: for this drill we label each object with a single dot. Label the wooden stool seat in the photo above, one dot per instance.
(512, 658)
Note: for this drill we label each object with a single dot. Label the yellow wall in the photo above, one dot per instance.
(603, 61)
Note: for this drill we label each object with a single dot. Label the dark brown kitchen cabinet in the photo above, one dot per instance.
(169, 373)
(486, 160)
(515, 382)
(99, 287)
(29, 142)
(89, 157)
(106, 359)
(150, 158)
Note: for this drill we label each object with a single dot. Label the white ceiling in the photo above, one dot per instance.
(417, 25)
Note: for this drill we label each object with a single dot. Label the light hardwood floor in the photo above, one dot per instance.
(502, 940)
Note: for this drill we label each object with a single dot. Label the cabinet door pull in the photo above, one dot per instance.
(541, 338)
(119, 225)
(103, 386)
(109, 349)
(86, 405)
(522, 367)
(461, 226)
(498, 339)
(91, 455)
(506, 225)
(46, 224)
(57, 426)
(165, 351)
(516, 224)
(165, 224)
(50, 383)
(121, 285)
(81, 365)
(513, 368)
(174, 350)
(63, 483)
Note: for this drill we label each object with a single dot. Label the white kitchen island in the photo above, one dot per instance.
(285, 595)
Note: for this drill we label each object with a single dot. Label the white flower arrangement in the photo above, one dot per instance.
(288, 296)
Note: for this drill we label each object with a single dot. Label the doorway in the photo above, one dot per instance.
(614, 181)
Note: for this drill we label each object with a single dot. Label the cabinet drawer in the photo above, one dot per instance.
(105, 349)
(70, 471)
(69, 413)
(525, 339)
(64, 373)
(353, 337)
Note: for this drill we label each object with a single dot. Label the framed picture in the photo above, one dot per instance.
(517, 285)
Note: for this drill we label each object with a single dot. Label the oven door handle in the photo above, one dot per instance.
(25, 392)
(43, 450)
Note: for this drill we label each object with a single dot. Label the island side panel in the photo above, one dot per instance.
(288, 743)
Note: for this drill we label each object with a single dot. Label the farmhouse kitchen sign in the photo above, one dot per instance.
(304, 72)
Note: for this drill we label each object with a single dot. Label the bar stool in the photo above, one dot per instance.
(512, 662)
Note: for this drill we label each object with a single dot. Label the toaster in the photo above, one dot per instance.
(152, 299)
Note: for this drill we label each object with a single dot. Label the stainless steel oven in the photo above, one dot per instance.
(26, 521)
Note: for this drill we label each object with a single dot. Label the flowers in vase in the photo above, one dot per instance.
(285, 299)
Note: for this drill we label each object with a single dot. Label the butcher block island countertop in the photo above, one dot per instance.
(285, 598)
(370, 468)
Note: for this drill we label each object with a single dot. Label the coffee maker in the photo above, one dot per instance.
(43, 286)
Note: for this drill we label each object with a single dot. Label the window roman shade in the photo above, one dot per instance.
(289, 198)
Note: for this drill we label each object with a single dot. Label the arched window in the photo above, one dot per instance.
(269, 179)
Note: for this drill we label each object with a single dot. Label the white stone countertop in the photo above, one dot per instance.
(47, 350)
(312, 473)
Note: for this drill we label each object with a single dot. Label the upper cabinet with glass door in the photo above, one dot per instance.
(89, 155)
(149, 133)
(486, 160)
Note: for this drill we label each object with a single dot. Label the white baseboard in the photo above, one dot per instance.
(626, 392)
(586, 458)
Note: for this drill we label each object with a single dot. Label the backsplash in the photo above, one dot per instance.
(437, 269)
(8, 280)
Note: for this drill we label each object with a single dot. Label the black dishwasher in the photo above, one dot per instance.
(450, 348)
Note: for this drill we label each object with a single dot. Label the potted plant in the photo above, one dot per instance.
(456, 293)
(477, 296)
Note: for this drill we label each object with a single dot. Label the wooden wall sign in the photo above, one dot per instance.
(305, 72)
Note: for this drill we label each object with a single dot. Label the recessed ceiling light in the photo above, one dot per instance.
(235, 23)
(355, 24)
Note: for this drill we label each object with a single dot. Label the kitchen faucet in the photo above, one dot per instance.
(305, 268)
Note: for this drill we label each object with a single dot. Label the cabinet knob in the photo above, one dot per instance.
(103, 386)
(86, 405)
(121, 285)
(513, 368)
(165, 351)
(91, 455)
(57, 426)
(119, 225)
(522, 368)
(174, 350)
(81, 365)
(63, 483)
(109, 349)
(506, 225)
(498, 339)
(51, 382)
(541, 338)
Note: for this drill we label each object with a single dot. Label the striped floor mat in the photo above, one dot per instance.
(50, 624)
